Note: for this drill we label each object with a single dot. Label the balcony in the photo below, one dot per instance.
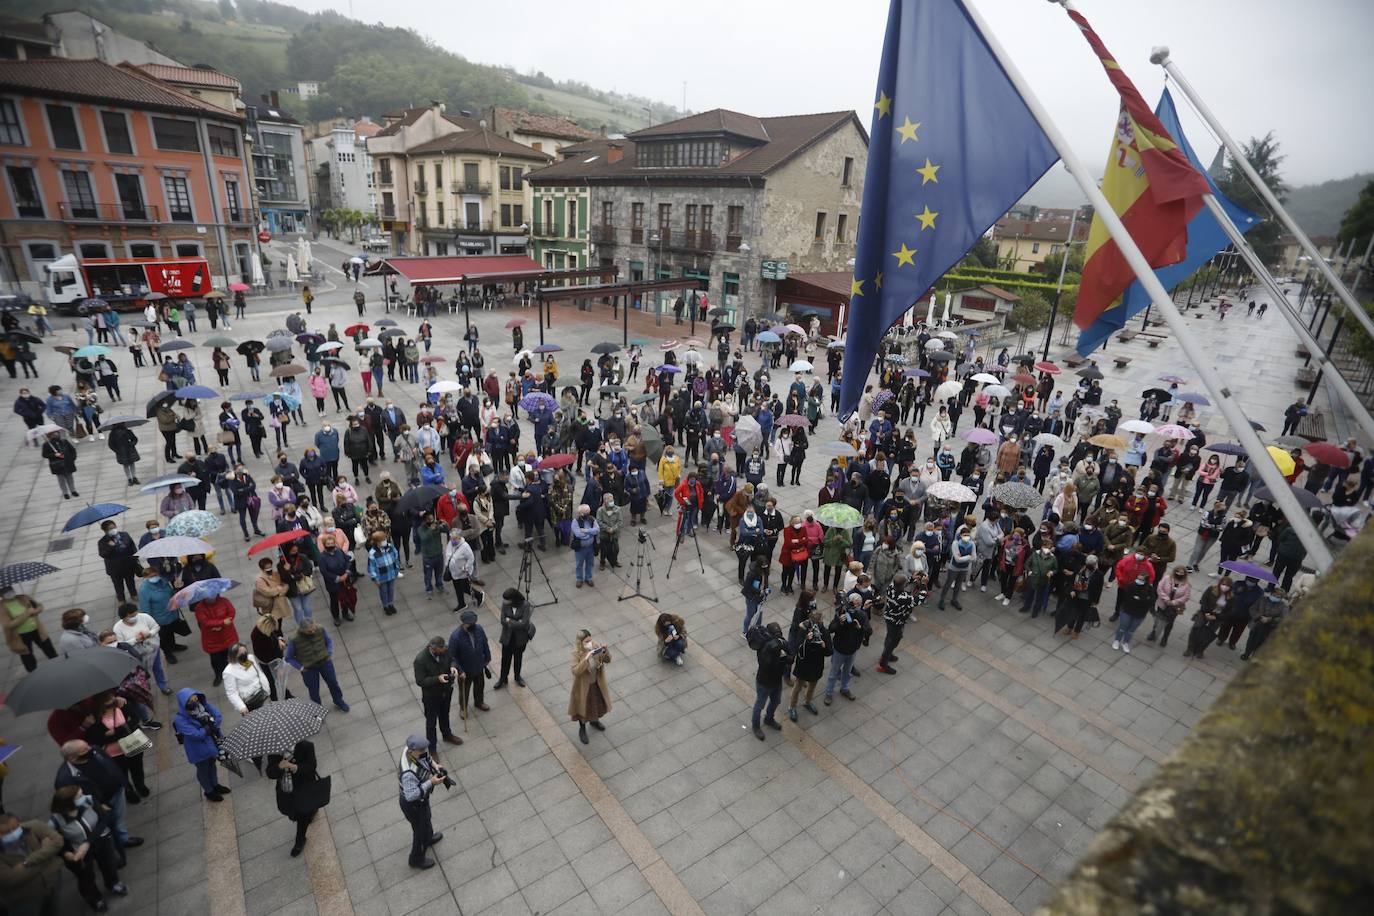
(470, 187)
(637, 235)
(544, 230)
(384, 179)
(107, 213)
(661, 236)
(421, 189)
(692, 240)
(732, 242)
(386, 212)
(604, 235)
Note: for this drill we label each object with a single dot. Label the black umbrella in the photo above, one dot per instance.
(162, 397)
(1159, 394)
(274, 728)
(23, 572)
(1017, 495)
(295, 323)
(718, 312)
(606, 347)
(940, 356)
(310, 338)
(421, 498)
(66, 681)
(611, 389)
(386, 323)
(392, 332)
(1090, 372)
(644, 398)
(1305, 499)
(335, 361)
(250, 346)
(722, 329)
(179, 344)
(23, 337)
(653, 442)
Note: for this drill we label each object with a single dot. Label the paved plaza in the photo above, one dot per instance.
(970, 782)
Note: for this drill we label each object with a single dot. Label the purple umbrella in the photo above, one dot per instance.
(668, 368)
(1250, 571)
(979, 436)
(916, 373)
(880, 398)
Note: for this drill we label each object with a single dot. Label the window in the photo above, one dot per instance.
(730, 284)
(224, 141)
(607, 213)
(517, 175)
(143, 250)
(388, 205)
(231, 195)
(637, 216)
(80, 197)
(62, 121)
(680, 154)
(384, 171)
(505, 178)
(665, 217)
(505, 208)
(439, 179)
(517, 214)
(39, 255)
(841, 222)
(117, 139)
(131, 197)
(470, 176)
(848, 171)
(572, 219)
(11, 129)
(441, 248)
(691, 217)
(27, 201)
(439, 213)
(548, 215)
(178, 199)
(1035, 247)
(734, 221)
(820, 225)
(176, 135)
(474, 216)
(187, 250)
(93, 250)
(706, 215)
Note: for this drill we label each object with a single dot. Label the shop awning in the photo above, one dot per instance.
(474, 269)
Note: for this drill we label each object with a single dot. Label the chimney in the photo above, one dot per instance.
(614, 152)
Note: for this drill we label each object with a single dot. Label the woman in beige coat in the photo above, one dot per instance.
(590, 698)
(269, 592)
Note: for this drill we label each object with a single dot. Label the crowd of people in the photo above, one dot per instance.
(956, 473)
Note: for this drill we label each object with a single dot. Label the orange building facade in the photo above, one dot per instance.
(106, 161)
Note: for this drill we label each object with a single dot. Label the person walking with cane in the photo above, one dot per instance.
(471, 653)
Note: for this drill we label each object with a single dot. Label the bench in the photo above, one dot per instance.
(1121, 361)
(1127, 336)
(1302, 352)
(1073, 360)
(1306, 376)
(1154, 340)
(1312, 427)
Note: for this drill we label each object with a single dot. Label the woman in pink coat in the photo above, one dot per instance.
(1174, 592)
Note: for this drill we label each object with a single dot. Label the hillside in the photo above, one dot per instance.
(364, 69)
(1318, 208)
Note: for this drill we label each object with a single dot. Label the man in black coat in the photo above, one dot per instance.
(435, 675)
(775, 667)
(103, 780)
(357, 445)
(118, 551)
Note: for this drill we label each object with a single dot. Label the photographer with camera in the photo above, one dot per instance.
(849, 630)
(419, 775)
(810, 648)
(690, 496)
(590, 698)
(436, 675)
(775, 667)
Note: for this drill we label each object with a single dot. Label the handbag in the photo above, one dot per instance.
(135, 743)
(226, 437)
(305, 585)
(186, 426)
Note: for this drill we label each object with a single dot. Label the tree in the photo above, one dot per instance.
(1050, 266)
(1263, 155)
(1358, 223)
(982, 254)
(1030, 314)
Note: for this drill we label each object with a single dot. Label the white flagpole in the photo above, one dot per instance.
(1331, 373)
(1161, 56)
(1317, 551)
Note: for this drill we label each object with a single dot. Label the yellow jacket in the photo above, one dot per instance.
(669, 470)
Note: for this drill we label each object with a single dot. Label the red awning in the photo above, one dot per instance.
(474, 269)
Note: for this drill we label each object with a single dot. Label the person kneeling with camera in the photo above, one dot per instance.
(419, 775)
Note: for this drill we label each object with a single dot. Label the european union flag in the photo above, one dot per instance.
(1205, 239)
(953, 146)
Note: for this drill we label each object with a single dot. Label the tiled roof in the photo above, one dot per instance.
(366, 128)
(1000, 293)
(544, 125)
(478, 141)
(718, 120)
(1041, 230)
(787, 137)
(199, 76)
(411, 115)
(98, 82)
(838, 282)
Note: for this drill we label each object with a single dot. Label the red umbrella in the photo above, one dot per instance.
(240, 287)
(276, 540)
(1327, 453)
(1021, 378)
(559, 460)
(432, 359)
(1049, 367)
(515, 322)
(356, 329)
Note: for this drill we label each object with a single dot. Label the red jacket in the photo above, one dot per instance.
(689, 489)
(795, 547)
(216, 620)
(446, 510)
(1127, 568)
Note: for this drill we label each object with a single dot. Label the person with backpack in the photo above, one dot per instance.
(849, 630)
(775, 667)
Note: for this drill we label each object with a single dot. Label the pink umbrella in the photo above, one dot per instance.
(240, 287)
(791, 419)
(794, 329)
(1173, 431)
(1049, 367)
(979, 436)
(668, 345)
(515, 322)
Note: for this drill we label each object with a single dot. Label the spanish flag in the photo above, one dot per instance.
(1150, 184)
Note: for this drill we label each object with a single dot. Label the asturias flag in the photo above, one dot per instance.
(1151, 186)
(1205, 239)
(953, 147)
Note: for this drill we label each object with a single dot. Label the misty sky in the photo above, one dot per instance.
(1301, 69)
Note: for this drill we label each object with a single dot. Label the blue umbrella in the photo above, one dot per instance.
(668, 368)
(203, 590)
(1250, 571)
(92, 514)
(537, 400)
(95, 350)
(291, 401)
(916, 373)
(194, 523)
(196, 393)
(166, 481)
(768, 337)
(1191, 398)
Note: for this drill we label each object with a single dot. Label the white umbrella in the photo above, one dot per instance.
(691, 356)
(948, 390)
(293, 274)
(997, 391)
(303, 254)
(748, 433)
(1052, 441)
(256, 263)
(38, 432)
(174, 547)
(356, 260)
(935, 343)
(985, 378)
(523, 354)
(328, 346)
(800, 365)
(444, 387)
(1137, 426)
(368, 342)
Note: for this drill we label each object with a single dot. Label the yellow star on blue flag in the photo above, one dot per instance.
(978, 151)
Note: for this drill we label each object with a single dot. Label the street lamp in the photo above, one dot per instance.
(656, 239)
(744, 249)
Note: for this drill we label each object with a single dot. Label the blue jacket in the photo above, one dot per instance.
(432, 474)
(312, 468)
(470, 651)
(153, 596)
(328, 444)
(196, 740)
(382, 564)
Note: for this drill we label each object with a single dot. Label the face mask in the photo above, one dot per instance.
(85, 620)
(243, 658)
(14, 835)
(1139, 580)
(84, 801)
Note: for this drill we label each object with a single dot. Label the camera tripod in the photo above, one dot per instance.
(642, 561)
(524, 579)
(682, 535)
